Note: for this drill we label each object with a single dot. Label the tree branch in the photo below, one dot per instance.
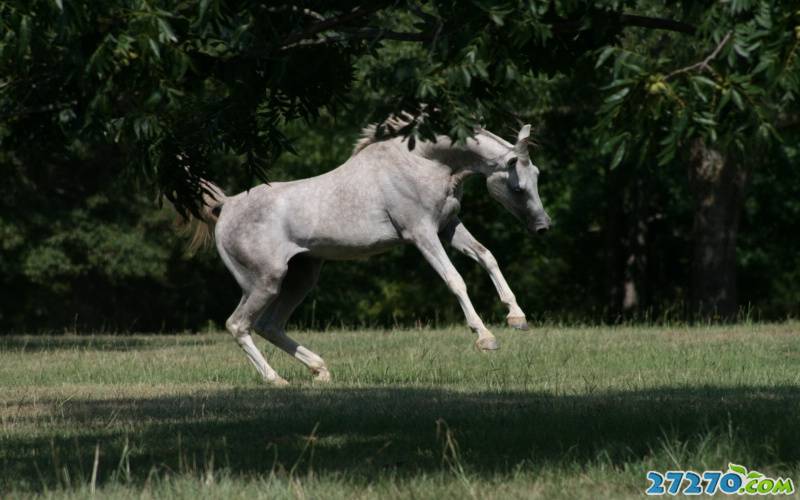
(327, 24)
(703, 65)
(372, 34)
(302, 38)
(380, 33)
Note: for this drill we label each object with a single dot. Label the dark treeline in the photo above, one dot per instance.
(667, 140)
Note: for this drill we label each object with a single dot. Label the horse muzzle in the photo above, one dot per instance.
(541, 225)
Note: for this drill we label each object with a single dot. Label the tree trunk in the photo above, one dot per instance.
(614, 246)
(626, 238)
(717, 184)
(635, 296)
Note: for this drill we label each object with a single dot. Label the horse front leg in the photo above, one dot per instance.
(462, 240)
(427, 241)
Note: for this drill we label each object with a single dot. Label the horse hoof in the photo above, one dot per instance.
(279, 382)
(322, 375)
(518, 323)
(487, 344)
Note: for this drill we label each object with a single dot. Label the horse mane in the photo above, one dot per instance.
(381, 131)
(391, 127)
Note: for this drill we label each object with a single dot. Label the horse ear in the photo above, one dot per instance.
(521, 147)
(524, 133)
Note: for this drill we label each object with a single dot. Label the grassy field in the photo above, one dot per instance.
(557, 412)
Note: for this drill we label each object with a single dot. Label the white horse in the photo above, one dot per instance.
(274, 238)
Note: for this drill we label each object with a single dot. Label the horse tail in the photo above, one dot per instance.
(202, 228)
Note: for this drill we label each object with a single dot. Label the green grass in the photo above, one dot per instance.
(557, 412)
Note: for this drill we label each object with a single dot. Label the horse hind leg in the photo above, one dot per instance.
(241, 322)
(300, 279)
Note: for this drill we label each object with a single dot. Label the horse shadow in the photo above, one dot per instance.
(368, 431)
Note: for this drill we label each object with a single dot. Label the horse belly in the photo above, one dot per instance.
(351, 237)
(353, 247)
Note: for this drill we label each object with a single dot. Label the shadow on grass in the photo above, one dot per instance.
(89, 342)
(363, 432)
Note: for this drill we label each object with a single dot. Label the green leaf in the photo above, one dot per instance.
(618, 96)
(742, 51)
(165, 32)
(466, 75)
(724, 100)
(754, 474)
(705, 81)
(607, 146)
(737, 99)
(764, 16)
(738, 6)
(618, 155)
(699, 92)
(203, 9)
(703, 120)
(24, 35)
(737, 468)
(604, 55)
(154, 48)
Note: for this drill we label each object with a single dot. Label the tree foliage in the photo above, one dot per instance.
(172, 86)
(736, 88)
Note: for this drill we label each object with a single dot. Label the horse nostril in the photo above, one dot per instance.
(542, 230)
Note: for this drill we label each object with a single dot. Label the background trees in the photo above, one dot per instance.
(722, 107)
(664, 133)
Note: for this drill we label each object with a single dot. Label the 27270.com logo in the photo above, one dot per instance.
(737, 480)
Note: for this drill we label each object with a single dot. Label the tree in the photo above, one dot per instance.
(719, 113)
